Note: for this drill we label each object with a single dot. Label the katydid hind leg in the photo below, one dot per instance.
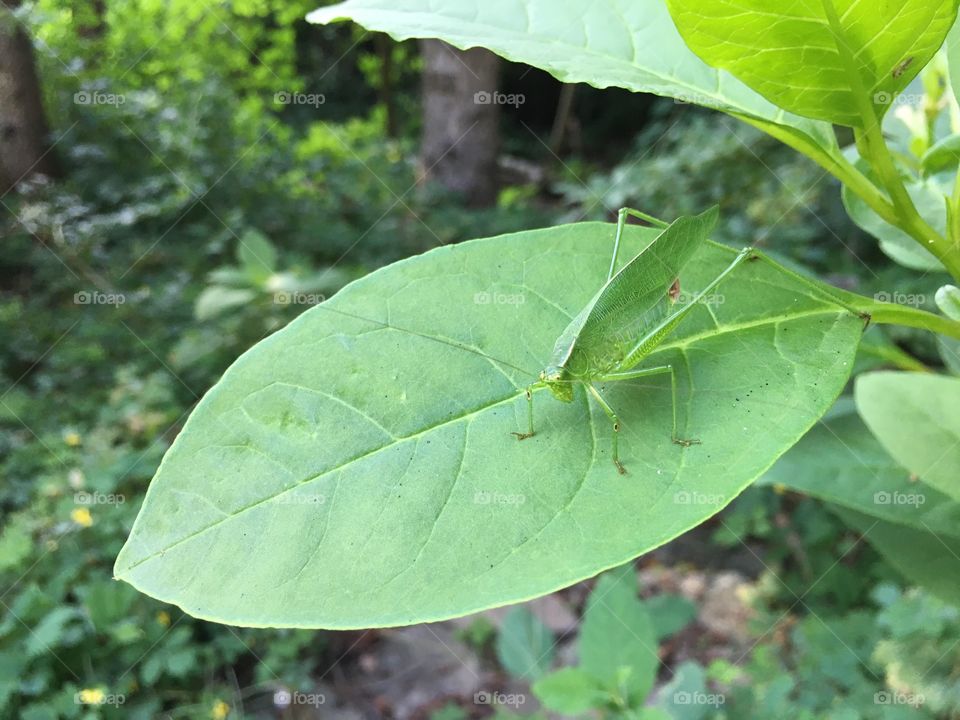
(621, 222)
(647, 372)
(615, 421)
(808, 283)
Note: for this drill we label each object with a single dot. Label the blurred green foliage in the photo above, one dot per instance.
(201, 213)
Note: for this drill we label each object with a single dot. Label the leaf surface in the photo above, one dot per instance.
(790, 52)
(916, 416)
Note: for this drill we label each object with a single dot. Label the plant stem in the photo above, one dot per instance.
(876, 152)
(892, 314)
(833, 162)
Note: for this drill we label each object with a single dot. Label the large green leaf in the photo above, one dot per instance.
(631, 44)
(841, 462)
(926, 558)
(617, 643)
(344, 474)
(916, 416)
(790, 54)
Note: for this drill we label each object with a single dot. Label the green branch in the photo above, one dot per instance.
(874, 149)
(884, 313)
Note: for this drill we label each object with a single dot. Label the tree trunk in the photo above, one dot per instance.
(90, 18)
(385, 52)
(461, 137)
(23, 126)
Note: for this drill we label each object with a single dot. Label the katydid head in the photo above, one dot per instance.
(558, 380)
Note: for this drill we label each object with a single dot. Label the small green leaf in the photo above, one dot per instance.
(217, 299)
(107, 602)
(16, 542)
(670, 614)
(618, 645)
(570, 691)
(647, 713)
(347, 474)
(257, 255)
(944, 155)
(686, 696)
(789, 53)
(948, 300)
(929, 200)
(525, 646)
(916, 416)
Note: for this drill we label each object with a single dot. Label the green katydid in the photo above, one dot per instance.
(634, 311)
(632, 314)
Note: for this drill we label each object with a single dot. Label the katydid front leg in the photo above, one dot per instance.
(621, 222)
(530, 432)
(647, 372)
(616, 426)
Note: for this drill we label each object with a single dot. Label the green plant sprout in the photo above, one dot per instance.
(633, 313)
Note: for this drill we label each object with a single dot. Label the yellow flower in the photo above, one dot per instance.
(779, 488)
(220, 710)
(91, 696)
(72, 439)
(163, 617)
(81, 516)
